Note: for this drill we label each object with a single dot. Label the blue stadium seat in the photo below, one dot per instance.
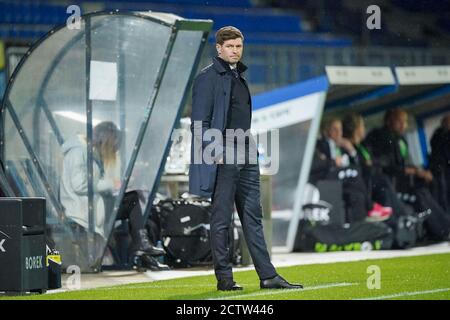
(251, 22)
(424, 6)
(260, 25)
(211, 3)
(2, 12)
(15, 14)
(258, 74)
(316, 40)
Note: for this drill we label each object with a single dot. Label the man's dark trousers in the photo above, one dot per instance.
(238, 184)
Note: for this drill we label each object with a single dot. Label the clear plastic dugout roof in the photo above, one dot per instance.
(129, 68)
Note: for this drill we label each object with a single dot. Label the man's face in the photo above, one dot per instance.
(399, 123)
(335, 131)
(231, 50)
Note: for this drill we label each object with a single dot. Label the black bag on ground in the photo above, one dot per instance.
(183, 226)
(409, 229)
(437, 224)
(184, 232)
(416, 193)
(359, 236)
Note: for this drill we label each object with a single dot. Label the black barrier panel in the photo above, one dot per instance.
(22, 245)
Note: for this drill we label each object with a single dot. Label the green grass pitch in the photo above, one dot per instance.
(419, 277)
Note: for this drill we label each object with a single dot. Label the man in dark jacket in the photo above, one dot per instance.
(221, 104)
(329, 155)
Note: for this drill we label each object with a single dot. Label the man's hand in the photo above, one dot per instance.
(425, 174)
(411, 171)
(347, 145)
(420, 173)
(338, 161)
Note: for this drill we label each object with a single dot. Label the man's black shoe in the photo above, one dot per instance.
(146, 246)
(278, 283)
(146, 262)
(228, 285)
(155, 251)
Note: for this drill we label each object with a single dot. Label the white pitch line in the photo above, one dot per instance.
(403, 294)
(119, 287)
(179, 286)
(284, 291)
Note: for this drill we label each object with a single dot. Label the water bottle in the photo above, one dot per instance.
(160, 245)
(263, 163)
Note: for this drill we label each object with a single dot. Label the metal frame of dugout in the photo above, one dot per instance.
(297, 111)
(131, 68)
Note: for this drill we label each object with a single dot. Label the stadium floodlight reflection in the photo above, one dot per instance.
(131, 68)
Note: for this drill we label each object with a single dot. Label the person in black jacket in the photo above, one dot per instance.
(328, 155)
(390, 149)
(440, 162)
(221, 101)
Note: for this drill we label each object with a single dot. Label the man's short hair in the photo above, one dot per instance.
(228, 33)
(393, 114)
(327, 122)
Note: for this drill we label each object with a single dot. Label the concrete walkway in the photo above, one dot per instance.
(280, 258)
